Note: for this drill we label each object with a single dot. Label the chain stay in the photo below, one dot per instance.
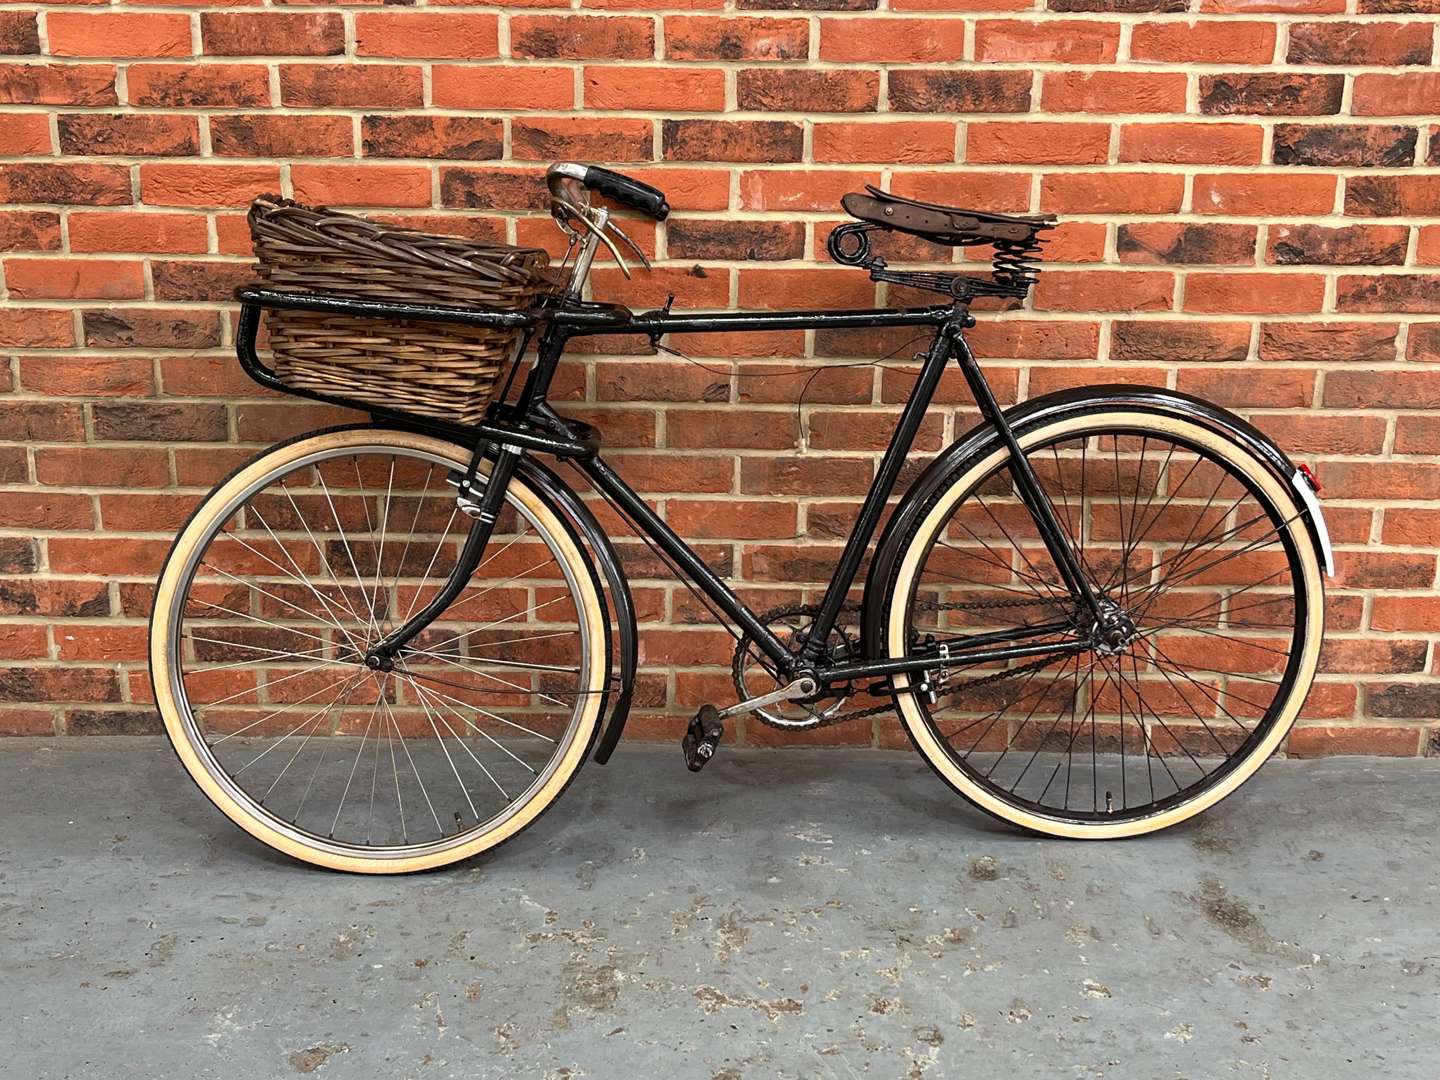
(930, 605)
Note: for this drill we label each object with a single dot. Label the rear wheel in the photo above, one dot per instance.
(278, 585)
(1213, 624)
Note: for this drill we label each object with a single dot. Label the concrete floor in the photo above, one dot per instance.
(786, 914)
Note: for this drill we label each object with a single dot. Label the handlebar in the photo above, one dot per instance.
(623, 189)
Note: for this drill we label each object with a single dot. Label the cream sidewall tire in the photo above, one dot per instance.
(930, 746)
(582, 731)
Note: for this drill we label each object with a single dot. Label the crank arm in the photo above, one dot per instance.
(802, 687)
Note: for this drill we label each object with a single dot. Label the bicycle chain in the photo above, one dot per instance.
(924, 605)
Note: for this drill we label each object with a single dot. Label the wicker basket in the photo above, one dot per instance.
(445, 370)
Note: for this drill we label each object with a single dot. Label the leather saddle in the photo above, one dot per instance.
(941, 224)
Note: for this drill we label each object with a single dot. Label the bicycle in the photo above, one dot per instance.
(389, 647)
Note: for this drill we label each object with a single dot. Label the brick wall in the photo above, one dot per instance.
(1252, 206)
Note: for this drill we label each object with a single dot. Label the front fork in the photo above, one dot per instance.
(485, 511)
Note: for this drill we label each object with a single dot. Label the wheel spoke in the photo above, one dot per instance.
(298, 766)
(1154, 513)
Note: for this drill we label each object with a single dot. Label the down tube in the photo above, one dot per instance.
(621, 495)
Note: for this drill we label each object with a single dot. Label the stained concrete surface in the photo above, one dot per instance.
(823, 914)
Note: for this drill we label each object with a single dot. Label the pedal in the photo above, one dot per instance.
(702, 737)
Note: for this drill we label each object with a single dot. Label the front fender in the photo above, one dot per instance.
(983, 438)
(617, 592)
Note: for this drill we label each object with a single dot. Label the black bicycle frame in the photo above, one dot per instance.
(531, 425)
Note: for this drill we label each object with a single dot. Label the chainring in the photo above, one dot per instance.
(748, 660)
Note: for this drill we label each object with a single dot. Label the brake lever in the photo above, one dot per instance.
(623, 235)
(578, 215)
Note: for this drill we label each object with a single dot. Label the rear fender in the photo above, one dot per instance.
(983, 439)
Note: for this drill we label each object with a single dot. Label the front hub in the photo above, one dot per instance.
(379, 662)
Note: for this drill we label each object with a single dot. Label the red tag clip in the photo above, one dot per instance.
(1309, 478)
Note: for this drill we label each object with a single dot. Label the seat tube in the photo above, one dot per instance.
(1031, 493)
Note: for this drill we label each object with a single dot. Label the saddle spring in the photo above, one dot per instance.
(1015, 264)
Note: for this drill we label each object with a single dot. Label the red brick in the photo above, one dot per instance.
(1248, 387)
(226, 86)
(1266, 293)
(876, 38)
(1104, 290)
(162, 328)
(1283, 7)
(1378, 44)
(273, 33)
(702, 90)
(1263, 194)
(582, 37)
(1311, 741)
(900, 141)
(1111, 193)
(794, 189)
(731, 519)
(1214, 41)
(1383, 94)
(35, 328)
(206, 185)
(693, 286)
(19, 33)
(959, 90)
(58, 84)
(1000, 192)
(706, 37)
(581, 138)
(1393, 196)
(1060, 41)
(1114, 91)
(778, 289)
(1037, 143)
(527, 87)
(61, 279)
(55, 182)
(438, 35)
(265, 135)
(24, 134)
(362, 185)
(77, 33)
(1327, 341)
(1280, 93)
(1413, 293)
(45, 510)
(1383, 389)
(136, 232)
(407, 136)
(131, 134)
(29, 230)
(732, 140)
(710, 429)
(801, 91)
(1192, 143)
(380, 86)
(84, 376)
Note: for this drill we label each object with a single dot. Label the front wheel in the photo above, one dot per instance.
(276, 588)
(1214, 616)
